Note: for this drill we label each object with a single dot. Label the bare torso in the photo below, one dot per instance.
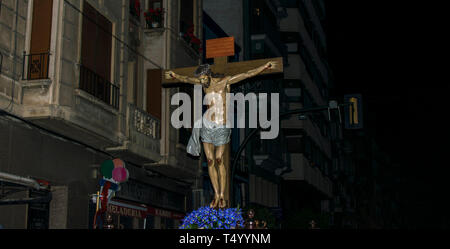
(218, 87)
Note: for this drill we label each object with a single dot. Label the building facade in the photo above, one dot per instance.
(307, 82)
(80, 83)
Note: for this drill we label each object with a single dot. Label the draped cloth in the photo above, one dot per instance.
(210, 132)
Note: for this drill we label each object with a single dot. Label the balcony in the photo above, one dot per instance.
(302, 171)
(99, 87)
(268, 154)
(87, 113)
(304, 123)
(35, 66)
(143, 137)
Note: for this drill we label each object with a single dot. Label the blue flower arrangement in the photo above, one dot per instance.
(210, 218)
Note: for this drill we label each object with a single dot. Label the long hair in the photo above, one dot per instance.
(205, 69)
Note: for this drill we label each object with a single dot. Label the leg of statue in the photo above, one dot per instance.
(222, 175)
(212, 170)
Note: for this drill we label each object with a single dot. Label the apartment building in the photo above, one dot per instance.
(306, 182)
(79, 84)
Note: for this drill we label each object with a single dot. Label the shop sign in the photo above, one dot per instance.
(165, 213)
(125, 211)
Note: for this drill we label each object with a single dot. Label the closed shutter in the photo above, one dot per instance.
(154, 77)
(104, 44)
(95, 75)
(96, 42)
(88, 44)
(40, 39)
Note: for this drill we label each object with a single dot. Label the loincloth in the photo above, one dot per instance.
(210, 133)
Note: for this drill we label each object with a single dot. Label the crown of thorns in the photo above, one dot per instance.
(203, 69)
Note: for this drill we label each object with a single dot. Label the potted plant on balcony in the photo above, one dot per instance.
(193, 41)
(154, 17)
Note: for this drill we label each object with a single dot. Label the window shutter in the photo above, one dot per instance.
(88, 37)
(104, 45)
(96, 42)
(41, 26)
(154, 77)
(40, 38)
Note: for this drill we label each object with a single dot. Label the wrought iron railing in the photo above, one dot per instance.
(142, 122)
(99, 87)
(35, 66)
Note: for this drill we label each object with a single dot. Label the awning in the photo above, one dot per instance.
(10, 184)
(27, 182)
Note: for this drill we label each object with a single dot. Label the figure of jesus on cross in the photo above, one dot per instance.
(214, 133)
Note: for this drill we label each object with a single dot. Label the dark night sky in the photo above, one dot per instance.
(388, 50)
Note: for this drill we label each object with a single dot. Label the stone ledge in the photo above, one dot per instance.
(35, 83)
(95, 101)
(154, 31)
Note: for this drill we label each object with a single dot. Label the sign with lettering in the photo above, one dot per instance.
(165, 213)
(127, 211)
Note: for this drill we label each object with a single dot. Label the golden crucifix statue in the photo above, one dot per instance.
(214, 134)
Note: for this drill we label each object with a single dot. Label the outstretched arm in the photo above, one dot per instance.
(171, 75)
(239, 77)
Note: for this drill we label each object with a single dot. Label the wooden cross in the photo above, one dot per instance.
(220, 49)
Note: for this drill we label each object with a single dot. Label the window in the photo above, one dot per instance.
(292, 91)
(186, 16)
(295, 144)
(154, 92)
(38, 59)
(96, 42)
(307, 100)
(154, 4)
(96, 46)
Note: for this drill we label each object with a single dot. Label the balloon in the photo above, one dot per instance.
(107, 168)
(128, 175)
(120, 174)
(118, 163)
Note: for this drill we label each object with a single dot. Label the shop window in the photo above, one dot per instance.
(96, 42)
(150, 222)
(307, 100)
(167, 223)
